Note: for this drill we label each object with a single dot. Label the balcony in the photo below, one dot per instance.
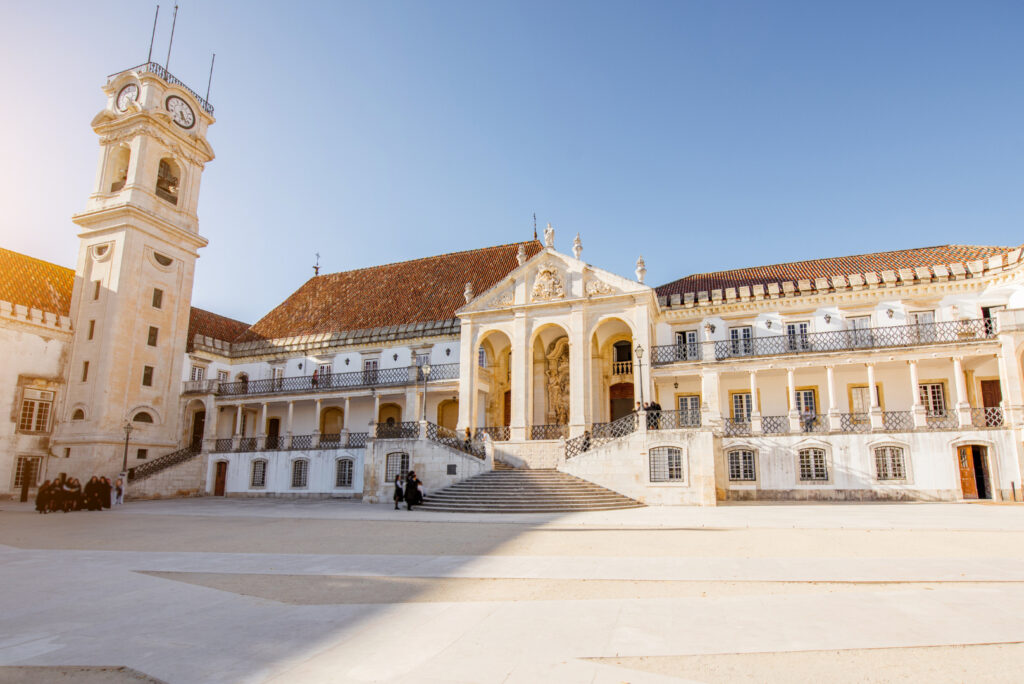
(385, 377)
(199, 387)
(622, 368)
(670, 353)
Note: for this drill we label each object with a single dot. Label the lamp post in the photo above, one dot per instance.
(127, 433)
(639, 351)
(426, 376)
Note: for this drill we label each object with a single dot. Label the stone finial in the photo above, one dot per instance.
(468, 293)
(641, 270)
(549, 236)
(521, 254)
(577, 247)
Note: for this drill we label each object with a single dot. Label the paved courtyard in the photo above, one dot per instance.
(214, 590)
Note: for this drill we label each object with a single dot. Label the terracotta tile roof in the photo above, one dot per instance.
(821, 268)
(403, 293)
(208, 324)
(35, 283)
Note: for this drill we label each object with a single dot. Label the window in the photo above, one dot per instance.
(422, 359)
(889, 463)
(95, 289)
(92, 329)
(158, 298)
(167, 181)
(258, 477)
(481, 357)
(806, 402)
(142, 417)
(85, 371)
(154, 333)
(861, 331)
(198, 373)
(686, 342)
(988, 313)
(35, 410)
(397, 464)
(67, 452)
(300, 473)
(666, 464)
(689, 407)
(343, 473)
(741, 465)
(277, 375)
(147, 376)
(812, 465)
(741, 407)
(79, 414)
(933, 397)
(453, 468)
(324, 369)
(925, 330)
(142, 454)
(27, 469)
(796, 336)
(222, 376)
(742, 342)
(369, 371)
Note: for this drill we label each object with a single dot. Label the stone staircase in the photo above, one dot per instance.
(510, 490)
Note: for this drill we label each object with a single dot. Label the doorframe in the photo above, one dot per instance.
(213, 480)
(990, 463)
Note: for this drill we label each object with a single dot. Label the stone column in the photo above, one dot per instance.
(376, 410)
(794, 415)
(347, 403)
(316, 420)
(711, 408)
(467, 374)
(920, 417)
(291, 415)
(262, 443)
(520, 361)
(834, 421)
(577, 372)
(963, 408)
(874, 410)
(237, 433)
(755, 413)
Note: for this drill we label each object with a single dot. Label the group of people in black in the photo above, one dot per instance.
(653, 410)
(408, 489)
(67, 494)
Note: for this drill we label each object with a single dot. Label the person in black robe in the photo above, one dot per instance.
(43, 497)
(91, 494)
(399, 492)
(105, 488)
(73, 495)
(412, 491)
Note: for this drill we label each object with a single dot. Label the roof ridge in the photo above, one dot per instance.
(429, 258)
(42, 261)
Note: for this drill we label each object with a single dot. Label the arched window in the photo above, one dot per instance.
(666, 464)
(300, 473)
(343, 474)
(142, 417)
(741, 465)
(813, 465)
(119, 170)
(889, 463)
(167, 178)
(258, 478)
(79, 414)
(397, 464)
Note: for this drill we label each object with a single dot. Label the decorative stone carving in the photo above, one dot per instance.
(598, 287)
(521, 254)
(577, 247)
(468, 292)
(641, 270)
(547, 285)
(557, 373)
(549, 236)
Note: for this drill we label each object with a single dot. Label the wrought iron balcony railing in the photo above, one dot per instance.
(774, 425)
(500, 433)
(409, 429)
(735, 428)
(405, 375)
(154, 68)
(987, 417)
(941, 420)
(602, 433)
(552, 431)
(854, 422)
(670, 353)
(675, 420)
(898, 421)
(450, 438)
(946, 332)
(223, 444)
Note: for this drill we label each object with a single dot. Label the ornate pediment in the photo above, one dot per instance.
(548, 284)
(596, 287)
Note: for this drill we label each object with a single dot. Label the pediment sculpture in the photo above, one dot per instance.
(598, 287)
(547, 285)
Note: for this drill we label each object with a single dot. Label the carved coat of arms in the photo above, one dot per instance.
(547, 285)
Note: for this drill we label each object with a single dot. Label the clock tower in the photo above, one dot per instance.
(139, 241)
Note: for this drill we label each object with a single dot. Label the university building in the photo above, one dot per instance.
(887, 376)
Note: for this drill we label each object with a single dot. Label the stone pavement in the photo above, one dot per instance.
(279, 590)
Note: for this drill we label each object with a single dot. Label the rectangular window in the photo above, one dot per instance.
(453, 469)
(369, 371)
(889, 463)
(300, 473)
(147, 376)
(343, 473)
(27, 468)
(153, 334)
(142, 454)
(741, 465)
(925, 330)
(396, 464)
(666, 464)
(222, 376)
(259, 474)
(686, 342)
(689, 409)
(741, 407)
(92, 329)
(933, 397)
(988, 313)
(796, 336)
(158, 298)
(860, 328)
(742, 340)
(481, 357)
(95, 289)
(85, 371)
(36, 407)
(812, 465)
(324, 369)
(198, 373)
(67, 452)
(806, 402)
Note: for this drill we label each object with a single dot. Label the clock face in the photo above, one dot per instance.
(128, 94)
(181, 113)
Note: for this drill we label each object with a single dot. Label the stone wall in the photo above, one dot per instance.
(530, 454)
(183, 479)
(429, 459)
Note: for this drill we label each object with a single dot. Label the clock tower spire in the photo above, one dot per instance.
(139, 241)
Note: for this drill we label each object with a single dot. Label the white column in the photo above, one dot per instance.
(755, 413)
(316, 418)
(263, 426)
(794, 415)
(519, 391)
(920, 417)
(346, 413)
(577, 372)
(874, 410)
(834, 421)
(291, 415)
(238, 420)
(711, 407)
(963, 408)
(376, 409)
(467, 374)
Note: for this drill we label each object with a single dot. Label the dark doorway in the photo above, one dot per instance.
(621, 399)
(198, 425)
(273, 433)
(972, 461)
(508, 408)
(221, 479)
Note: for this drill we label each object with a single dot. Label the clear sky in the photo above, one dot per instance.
(703, 135)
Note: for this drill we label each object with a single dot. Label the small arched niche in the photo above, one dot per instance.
(168, 177)
(119, 168)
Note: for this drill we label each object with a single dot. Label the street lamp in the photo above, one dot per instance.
(639, 351)
(127, 433)
(426, 376)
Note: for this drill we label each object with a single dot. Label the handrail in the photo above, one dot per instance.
(403, 375)
(602, 434)
(168, 77)
(162, 463)
(450, 438)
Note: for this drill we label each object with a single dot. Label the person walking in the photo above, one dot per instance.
(412, 490)
(43, 497)
(399, 494)
(119, 492)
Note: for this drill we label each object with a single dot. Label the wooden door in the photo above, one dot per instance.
(198, 424)
(273, 432)
(221, 479)
(965, 464)
(991, 393)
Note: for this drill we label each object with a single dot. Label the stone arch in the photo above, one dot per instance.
(448, 413)
(495, 351)
(168, 180)
(193, 427)
(390, 413)
(612, 366)
(551, 379)
(332, 420)
(117, 171)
